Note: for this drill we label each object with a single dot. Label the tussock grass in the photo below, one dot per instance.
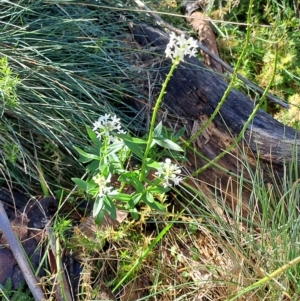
(67, 66)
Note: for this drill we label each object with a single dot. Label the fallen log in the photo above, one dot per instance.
(193, 95)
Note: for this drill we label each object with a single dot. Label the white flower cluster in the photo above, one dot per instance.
(102, 183)
(106, 125)
(168, 172)
(179, 46)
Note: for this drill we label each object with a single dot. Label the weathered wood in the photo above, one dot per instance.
(193, 94)
(201, 25)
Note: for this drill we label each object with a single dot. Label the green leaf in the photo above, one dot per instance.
(167, 143)
(86, 155)
(134, 214)
(149, 198)
(92, 135)
(123, 197)
(84, 185)
(136, 198)
(133, 201)
(98, 205)
(99, 216)
(110, 208)
(157, 132)
(135, 149)
(115, 147)
(154, 164)
(153, 142)
(135, 140)
(158, 189)
(157, 206)
(133, 144)
(85, 160)
(93, 166)
(179, 133)
(139, 186)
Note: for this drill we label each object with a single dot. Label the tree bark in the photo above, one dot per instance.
(193, 94)
(201, 25)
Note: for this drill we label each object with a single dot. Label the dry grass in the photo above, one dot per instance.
(200, 258)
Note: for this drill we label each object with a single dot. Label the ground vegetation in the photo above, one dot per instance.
(66, 63)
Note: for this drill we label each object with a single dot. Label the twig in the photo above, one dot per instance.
(17, 251)
(259, 90)
(157, 18)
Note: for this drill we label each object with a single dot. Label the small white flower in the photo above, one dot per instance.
(102, 183)
(169, 53)
(179, 54)
(105, 117)
(179, 46)
(176, 180)
(181, 40)
(173, 40)
(96, 125)
(122, 132)
(115, 120)
(168, 172)
(107, 125)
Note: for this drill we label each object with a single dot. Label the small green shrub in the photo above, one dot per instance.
(21, 294)
(8, 85)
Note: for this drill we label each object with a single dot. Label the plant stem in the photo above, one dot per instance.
(234, 77)
(153, 118)
(42, 180)
(266, 278)
(241, 134)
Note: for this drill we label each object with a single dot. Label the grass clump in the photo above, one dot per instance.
(61, 67)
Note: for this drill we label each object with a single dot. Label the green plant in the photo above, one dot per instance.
(8, 293)
(112, 148)
(210, 251)
(273, 33)
(8, 85)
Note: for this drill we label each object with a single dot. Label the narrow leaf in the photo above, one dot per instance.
(131, 139)
(86, 155)
(154, 164)
(123, 197)
(157, 132)
(83, 185)
(110, 208)
(92, 135)
(149, 198)
(158, 189)
(167, 143)
(158, 206)
(98, 205)
(99, 216)
(135, 149)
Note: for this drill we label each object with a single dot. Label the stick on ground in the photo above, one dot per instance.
(18, 252)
